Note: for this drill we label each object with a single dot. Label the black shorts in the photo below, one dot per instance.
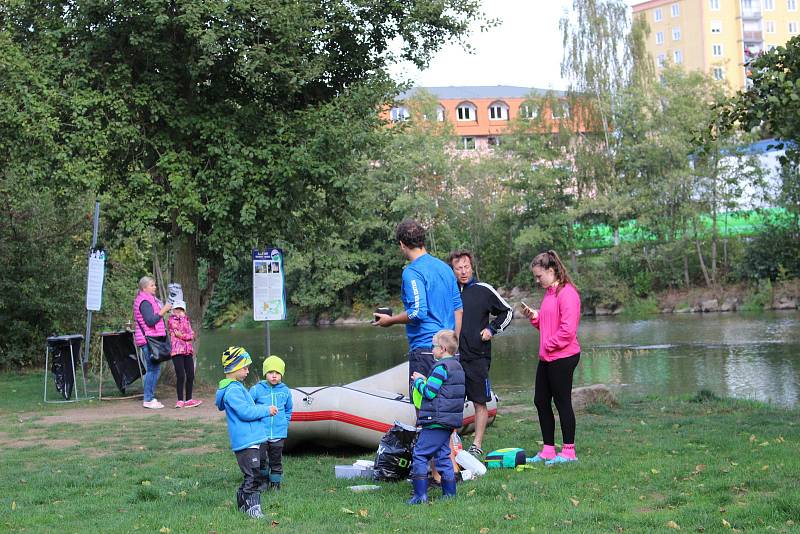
(477, 377)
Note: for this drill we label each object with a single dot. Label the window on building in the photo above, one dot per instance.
(771, 47)
(675, 10)
(559, 110)
(718, 73)
(466, 112)
(716, 26)
(714, 4)
(747, 5)
(661, 60)
(659, 38)
(769, 5)
(466, 143)
(529, 110)
(400, 113)
(498, 111)
(716, 50)
(791, 5)
(793, 27)
(678, 56)
(657, 14)
(493, 140)
(769, 26)
(676, 34)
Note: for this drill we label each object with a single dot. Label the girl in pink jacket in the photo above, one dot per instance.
(181, 336)
(559, 352)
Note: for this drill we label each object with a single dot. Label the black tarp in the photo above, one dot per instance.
(120, 353)
(64, 362)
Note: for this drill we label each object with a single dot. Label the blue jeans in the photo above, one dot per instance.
(432, 443)
(151, 377)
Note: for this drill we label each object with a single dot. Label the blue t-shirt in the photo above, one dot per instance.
(430, 296)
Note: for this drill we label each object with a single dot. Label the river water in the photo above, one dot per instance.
(750, 356)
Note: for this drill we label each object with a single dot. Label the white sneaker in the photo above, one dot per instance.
(153, 404)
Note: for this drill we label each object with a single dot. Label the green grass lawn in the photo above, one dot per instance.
(647, 465)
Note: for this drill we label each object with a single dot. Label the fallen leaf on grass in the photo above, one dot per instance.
(752, 438)
(510, 517)
(13, 505)
(764, 468)
(763, 444)
(471, 492)
(726, 524)
(484, 530)
(654, 471)
(347, 511)
(699, 468)
(145, 482)
(673, 524)
(575, 502)
(165, 530)
(274, 523)
(363, 512)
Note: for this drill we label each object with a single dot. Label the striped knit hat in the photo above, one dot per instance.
(234, 358)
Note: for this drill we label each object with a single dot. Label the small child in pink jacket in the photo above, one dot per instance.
(181, 336)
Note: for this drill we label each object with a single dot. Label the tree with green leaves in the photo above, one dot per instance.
(210, 127)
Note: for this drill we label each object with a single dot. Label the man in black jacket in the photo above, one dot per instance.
(481, 303)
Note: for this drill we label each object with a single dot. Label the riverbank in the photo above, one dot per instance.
(698, 463)
(782, 295)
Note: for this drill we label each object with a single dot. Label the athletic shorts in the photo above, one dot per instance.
(421, 361)
(477, 374)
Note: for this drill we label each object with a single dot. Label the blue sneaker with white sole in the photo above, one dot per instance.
(560, 460)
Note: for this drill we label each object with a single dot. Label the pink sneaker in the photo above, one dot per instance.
(180, 404)
(191, 403)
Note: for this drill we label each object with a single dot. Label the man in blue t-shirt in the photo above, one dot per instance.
(430, 295)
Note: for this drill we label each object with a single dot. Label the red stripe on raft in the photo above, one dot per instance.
(333, 415)
(371, 424)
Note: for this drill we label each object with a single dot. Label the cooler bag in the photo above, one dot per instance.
(508, 458)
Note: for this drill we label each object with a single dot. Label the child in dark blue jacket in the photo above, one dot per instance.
(244, 427)
(441, 411)
(275, 394)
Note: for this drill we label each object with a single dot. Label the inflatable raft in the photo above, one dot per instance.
(359, 413)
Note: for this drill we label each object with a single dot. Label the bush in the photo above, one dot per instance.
(772, 252)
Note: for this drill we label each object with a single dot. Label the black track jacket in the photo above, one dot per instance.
(481, 301)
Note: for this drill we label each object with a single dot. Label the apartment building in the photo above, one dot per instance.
(480, 115)
(718, 37)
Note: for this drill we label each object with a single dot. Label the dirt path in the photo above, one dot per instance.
(108, 410)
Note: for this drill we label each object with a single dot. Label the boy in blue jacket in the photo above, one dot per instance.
(441, 410)
(274, 393)
(244, 427)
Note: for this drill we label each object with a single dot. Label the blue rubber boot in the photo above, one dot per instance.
(448, 488)
(275, 480)
(420, 491)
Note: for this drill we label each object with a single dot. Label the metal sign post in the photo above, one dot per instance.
(269, 293)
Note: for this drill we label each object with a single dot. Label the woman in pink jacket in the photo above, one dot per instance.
(181, 336)
(559, 352)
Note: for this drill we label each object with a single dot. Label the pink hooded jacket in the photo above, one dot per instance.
(181, 335)
(557, 322)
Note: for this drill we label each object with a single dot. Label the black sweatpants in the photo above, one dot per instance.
(184, 375)
(554, 383)
(248, 460)
(271, 459)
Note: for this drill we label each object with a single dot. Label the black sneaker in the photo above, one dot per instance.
(475, 451)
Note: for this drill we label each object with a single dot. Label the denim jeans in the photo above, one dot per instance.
(151, 377)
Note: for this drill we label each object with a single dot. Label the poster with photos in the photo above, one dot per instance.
(269, 294)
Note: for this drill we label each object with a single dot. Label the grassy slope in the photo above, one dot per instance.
(650, 462)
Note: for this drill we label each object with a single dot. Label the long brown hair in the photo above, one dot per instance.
(550, 260)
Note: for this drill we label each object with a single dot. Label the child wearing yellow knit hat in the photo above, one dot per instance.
(274, 393)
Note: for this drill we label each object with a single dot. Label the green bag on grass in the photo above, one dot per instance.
(505, 458)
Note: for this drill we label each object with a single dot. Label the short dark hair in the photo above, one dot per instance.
(460, 253)
(410, 233)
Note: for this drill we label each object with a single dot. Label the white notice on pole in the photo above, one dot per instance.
(94, 285)
(269, 295)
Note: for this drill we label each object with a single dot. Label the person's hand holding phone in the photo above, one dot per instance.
(529, 312)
